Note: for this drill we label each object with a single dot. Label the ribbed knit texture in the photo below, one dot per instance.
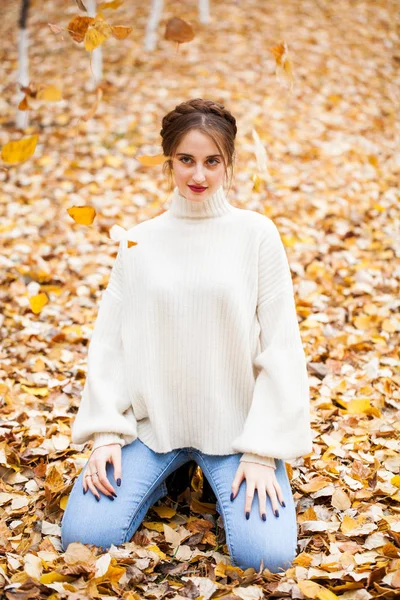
(196, 343)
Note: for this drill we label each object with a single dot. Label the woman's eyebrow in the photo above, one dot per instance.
(191, 155)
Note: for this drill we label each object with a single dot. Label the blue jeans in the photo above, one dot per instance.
(143, 483)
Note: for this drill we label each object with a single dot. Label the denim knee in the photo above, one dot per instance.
(98, 534)
(276, 560)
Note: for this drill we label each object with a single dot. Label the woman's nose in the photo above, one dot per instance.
(198, 177)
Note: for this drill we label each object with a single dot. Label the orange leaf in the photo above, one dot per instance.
(78, 27)
(23, 105)
(151, 161)
(178, 30)
(120, 32)
(83, 215)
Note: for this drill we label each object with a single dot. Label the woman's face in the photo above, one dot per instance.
(197, 162)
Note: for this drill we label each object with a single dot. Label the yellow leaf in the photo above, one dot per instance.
(154, 526)
(358, 405)
(50, 93)
(303, 560)
(38, 302)
(258, 182)
(42, 392)
(348, 524)
(151, 161)
(113, 5)
(98, 31)
(165, 512)
(325, 594)
(83, 215)
(316, 484)
(20, 150)
(64, 502)
(311, 589)
(395, 481)
(283, 63)
(53, 576)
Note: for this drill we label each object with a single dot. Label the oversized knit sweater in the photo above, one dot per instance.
(196, 342)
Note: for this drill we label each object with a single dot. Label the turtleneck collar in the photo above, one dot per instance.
(213, 206)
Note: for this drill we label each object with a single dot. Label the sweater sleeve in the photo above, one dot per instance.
(105, 412)
(278, 421)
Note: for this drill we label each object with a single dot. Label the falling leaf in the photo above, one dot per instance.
(97, 32)
(78, 27)
(55, 28)
(178, 30)
(23, 105)
(83, 215)
(19, 150)
(81, 5)
(50, 93)
(113, 5)
(90, 113)
(283, 63)
(151, 161)
(261, 154)
(120, 32)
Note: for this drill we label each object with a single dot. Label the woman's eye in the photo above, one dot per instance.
(214, 160)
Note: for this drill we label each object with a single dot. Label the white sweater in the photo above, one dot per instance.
(196, 342)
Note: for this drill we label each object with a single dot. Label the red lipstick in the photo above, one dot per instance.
(197, 189)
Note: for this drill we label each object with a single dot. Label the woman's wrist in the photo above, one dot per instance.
(256, 458)
(104, 439)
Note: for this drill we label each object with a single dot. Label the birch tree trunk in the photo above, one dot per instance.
(204, 11)
(97, 54)
(152, 24)
(22, 116)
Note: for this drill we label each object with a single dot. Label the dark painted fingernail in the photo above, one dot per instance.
(283, 504)
(97, 498)
(118, 481)
(247, 515)
(111, 498)
(84, 491)
(232, 496)
(264, 517)
(114, 494)
(276, 513)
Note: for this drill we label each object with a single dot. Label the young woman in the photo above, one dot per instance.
(196, 354)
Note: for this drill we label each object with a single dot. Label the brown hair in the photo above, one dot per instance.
(209, 117)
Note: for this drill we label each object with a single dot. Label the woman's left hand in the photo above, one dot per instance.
(264, 479)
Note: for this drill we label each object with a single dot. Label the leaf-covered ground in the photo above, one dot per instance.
(333, 191)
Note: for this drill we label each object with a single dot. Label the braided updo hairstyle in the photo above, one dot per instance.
(207, 116)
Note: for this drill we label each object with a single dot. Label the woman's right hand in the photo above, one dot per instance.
(96, 468)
